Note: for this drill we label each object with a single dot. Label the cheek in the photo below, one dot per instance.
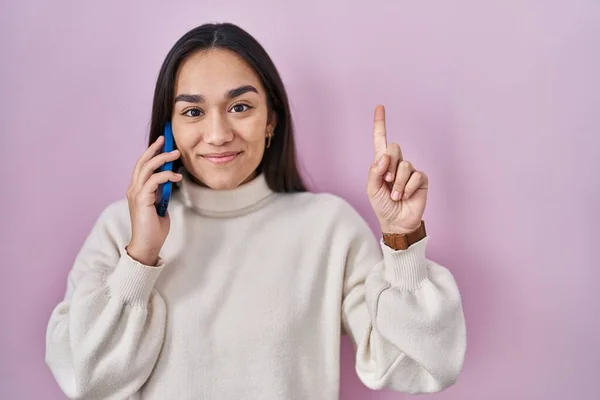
(252, 131)
(185, 147)
(183, 135)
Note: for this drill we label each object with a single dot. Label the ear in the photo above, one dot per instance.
(272, 121)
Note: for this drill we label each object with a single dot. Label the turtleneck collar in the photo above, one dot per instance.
(225, 203)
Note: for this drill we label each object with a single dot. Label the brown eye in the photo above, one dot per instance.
(193, 112)
(238, 108)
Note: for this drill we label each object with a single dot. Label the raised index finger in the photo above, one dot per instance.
(379, 133)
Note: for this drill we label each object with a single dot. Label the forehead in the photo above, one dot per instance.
(214, 72)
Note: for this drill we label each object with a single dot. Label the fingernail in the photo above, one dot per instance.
(389, 177)
(380, 162)
(395, 195)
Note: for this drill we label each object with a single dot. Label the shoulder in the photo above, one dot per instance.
(109, 234)
(116, 210)
(327, 206)
(114, 218)
(321, 201)
(331, 221)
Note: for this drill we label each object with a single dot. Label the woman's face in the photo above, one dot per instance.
(220, 118)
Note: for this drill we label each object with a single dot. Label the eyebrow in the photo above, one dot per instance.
(233, 93)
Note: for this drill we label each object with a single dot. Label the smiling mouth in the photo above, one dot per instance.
(221, 158)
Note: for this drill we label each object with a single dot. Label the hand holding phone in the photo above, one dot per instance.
(148, 196)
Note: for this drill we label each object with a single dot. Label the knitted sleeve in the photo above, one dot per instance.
(403, 313)
(103, 339)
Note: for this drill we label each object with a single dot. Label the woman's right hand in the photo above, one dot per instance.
(148, 230)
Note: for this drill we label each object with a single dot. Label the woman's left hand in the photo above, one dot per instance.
(396, 189)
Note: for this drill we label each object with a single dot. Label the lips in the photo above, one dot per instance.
(221, 158)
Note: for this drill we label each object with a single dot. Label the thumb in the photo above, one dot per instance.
(376, 174)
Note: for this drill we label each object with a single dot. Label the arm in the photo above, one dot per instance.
(104, 338)
(403, 313)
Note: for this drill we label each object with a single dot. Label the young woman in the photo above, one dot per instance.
(244, 288)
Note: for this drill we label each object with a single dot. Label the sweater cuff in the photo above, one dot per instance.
(406, 269)
(132, 281)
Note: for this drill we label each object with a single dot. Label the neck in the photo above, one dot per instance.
(248, 196)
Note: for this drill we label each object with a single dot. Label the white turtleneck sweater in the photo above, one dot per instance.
(250, 297)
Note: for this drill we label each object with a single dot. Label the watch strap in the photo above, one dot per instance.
(402, 241)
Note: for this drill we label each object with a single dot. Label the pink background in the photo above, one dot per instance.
(499, 103)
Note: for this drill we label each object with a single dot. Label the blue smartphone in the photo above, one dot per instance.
(164, 190)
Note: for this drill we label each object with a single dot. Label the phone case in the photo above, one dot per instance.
(164, 190)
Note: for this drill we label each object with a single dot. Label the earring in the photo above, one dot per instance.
(269, 137)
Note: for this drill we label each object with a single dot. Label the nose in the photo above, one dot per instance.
(218, 130)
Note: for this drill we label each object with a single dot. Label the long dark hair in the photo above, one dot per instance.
(279, 163)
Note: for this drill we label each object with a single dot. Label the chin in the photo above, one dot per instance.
(224, 180)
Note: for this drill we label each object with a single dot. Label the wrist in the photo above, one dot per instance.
(399, 230)
(402, 239)
(144, 257)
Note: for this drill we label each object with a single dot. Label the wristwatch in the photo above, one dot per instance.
(402, 241)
